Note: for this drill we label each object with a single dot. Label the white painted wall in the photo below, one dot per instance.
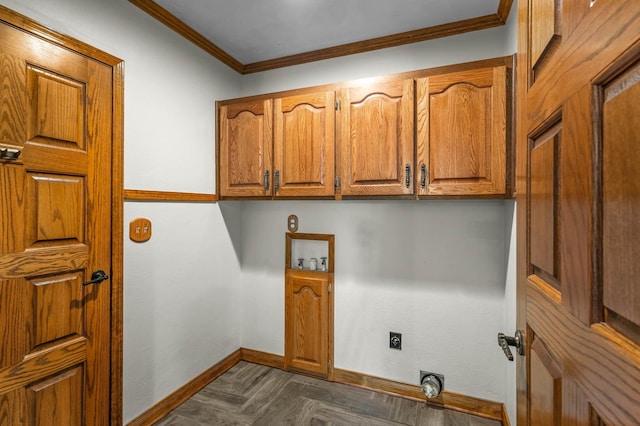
(180, 288)
(432, 270)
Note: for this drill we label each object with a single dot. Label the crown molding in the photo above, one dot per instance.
(429, 33)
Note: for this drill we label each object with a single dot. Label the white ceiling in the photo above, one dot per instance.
(258, 30)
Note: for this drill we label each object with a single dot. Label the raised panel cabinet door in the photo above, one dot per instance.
(245, 149)
(55, 228)
(304, 145)
(462, 133)
(307, 321)
(376, 139)
(578, 201)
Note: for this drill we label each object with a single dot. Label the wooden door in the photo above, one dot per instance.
(376, 139)
(245, 149)
(56, 112)
(462, 133)
(304, 145)
(308, 303)
(578, 209)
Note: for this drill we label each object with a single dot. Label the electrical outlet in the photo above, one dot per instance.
(395, 340)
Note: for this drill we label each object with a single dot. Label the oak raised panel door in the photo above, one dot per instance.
(245, 149)
(55, 205)
(307, 321)
(578, 234)
(304, 145)
(376, 139)
(462, 133)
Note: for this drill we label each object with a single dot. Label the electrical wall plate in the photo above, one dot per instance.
(292, 223)
(140, 230)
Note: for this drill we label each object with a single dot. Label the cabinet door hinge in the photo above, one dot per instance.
(336, 182)
(337, 104)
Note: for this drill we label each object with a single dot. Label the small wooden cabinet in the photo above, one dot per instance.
(461, 134)
(376, 139)
(245, 150)
(304, 145)
(309, 312)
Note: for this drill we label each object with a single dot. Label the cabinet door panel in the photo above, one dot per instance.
(376, 139)
(307, 311)
(246, 136)
(461, 136)
(304, 144)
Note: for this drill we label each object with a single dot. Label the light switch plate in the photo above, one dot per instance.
(140, 230)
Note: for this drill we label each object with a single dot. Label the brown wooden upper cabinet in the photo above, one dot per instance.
(461, 135)
(283, 147)
(245, 151)
(423, 136)
(304, 145)
(376, 139)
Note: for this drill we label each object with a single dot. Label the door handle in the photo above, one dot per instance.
(9, 154)
(517, 341)
(97, 277)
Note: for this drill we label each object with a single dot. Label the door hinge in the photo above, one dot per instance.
(336, 182)
(337, 104)
(329, 288)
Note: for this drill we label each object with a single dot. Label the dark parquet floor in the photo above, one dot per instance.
(251, 394)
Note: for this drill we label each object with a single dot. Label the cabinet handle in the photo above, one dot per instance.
(423, 176)
(407, 175)
(266, 180)
(276, 185)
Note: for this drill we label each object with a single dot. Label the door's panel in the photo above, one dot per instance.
(546, 27)
(545, 391)
(575, 210)
(56, 206)
(621, 201)
(57, 307)
(56, 113)
(57, 400)
(543, 193)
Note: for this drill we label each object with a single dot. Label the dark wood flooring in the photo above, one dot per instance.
(251, 394)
